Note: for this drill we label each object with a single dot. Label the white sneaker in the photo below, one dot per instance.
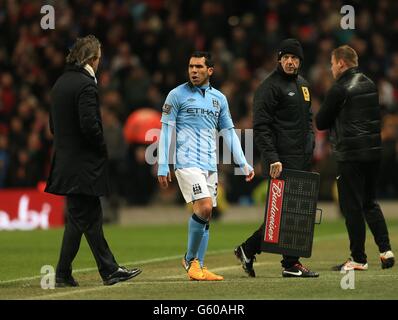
(387, 259)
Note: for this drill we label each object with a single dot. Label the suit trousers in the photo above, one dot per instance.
(356, 184)
(84, 216)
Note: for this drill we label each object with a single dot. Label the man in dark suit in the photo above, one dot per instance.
(79, 166)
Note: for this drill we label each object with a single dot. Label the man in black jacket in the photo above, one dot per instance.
(79, 166)
(351, 110)
(282, 123)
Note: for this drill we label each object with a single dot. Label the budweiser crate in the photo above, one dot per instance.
(290, 213)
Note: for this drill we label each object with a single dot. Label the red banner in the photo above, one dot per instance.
(274, 208)
(27, 209)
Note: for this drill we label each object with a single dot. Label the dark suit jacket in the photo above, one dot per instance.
(79, 164)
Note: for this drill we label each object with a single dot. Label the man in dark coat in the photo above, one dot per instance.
(79, 166)
(351, 110)
(282, 123)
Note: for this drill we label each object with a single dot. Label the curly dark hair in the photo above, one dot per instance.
(83, 50)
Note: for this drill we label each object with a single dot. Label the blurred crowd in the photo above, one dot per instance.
(145, 50)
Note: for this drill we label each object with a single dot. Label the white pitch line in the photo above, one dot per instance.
(178, 279)
(220, 269)
(162, 259)
(138, 262)
(156, 280)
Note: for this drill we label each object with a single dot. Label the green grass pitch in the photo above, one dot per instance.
(158, 250)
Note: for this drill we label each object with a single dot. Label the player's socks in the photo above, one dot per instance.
(196, 228)
(203, 246)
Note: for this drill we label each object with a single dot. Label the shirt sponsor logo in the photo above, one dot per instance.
(274, 208)
(200, 111)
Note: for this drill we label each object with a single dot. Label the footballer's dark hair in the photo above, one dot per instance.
(204, 54)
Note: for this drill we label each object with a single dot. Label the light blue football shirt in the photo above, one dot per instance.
(196, 116)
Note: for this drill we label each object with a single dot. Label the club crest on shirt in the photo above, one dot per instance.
(166, 108)
(216, 104)
(306, 93)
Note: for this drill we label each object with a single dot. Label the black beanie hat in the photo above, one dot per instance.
(291, 46)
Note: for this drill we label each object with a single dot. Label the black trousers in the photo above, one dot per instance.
(252, 246)
(84, 216)
(356, 184)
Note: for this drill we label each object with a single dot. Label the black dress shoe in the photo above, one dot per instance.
(61, 282)
(121, 274)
